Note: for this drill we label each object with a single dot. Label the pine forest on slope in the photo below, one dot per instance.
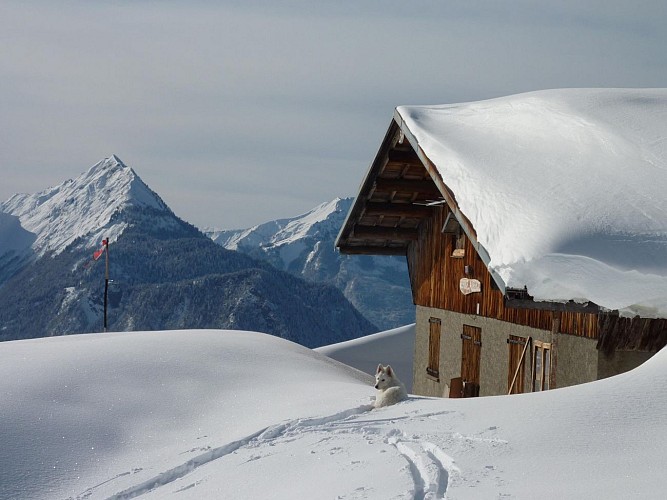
(378, 286)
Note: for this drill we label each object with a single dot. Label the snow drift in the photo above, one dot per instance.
(222, 414)
(392, 347)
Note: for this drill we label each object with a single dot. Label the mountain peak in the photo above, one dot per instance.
(84, 207)
(116, 159)
(110, 163)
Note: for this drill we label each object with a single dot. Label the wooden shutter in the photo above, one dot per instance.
(433, 368)
(471, 354)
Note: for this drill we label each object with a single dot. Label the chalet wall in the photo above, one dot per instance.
(577, 356)
(577, 360)
(620, 362)
(435, 277)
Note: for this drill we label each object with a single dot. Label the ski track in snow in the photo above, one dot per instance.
(429, 467)
(263, 436)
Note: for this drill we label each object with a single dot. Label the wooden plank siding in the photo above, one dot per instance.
(435, 276)
(638, 334)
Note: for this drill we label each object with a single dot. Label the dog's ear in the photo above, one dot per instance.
(380, 368)
(389, 371)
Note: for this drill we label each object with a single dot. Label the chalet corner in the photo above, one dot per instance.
(514, 226)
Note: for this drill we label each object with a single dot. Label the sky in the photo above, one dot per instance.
(238, 113)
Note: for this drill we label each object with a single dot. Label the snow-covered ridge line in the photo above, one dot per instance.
(285, 235)
(305, 246)
(279, 232)
(82, 207)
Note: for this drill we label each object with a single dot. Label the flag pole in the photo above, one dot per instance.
(106, 279)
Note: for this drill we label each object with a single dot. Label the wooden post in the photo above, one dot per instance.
(555, 329)
(106, 279)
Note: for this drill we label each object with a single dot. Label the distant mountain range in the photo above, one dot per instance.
(166, 273)
(378, 286)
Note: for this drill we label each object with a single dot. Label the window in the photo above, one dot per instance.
(541, 366)
(433, 368)
(458, 244)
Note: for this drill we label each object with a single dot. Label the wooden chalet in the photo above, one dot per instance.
(474, 335)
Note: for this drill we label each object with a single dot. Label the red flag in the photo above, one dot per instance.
(98, 253)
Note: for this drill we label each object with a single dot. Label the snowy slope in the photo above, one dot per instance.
(120, 407)
(12, 235)
(378, 286)
(215, 414)
(82, 208)
(564, 188)
(393, 347)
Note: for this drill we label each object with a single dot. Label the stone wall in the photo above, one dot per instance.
(577, 359)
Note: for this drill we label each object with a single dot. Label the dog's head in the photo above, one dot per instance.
(384, 377)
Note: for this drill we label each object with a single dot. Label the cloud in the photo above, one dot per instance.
(284, 101)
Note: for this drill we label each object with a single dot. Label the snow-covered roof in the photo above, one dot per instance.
(566, 189)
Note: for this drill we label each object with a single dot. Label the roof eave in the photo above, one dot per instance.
(450, 198)
(346, 228)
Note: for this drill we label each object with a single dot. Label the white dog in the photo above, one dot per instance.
(390, 389)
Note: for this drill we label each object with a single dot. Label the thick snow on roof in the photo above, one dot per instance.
(566, 189)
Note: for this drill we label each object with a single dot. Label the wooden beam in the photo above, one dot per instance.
(398, 157)
(553, 352)
(397, 209)
(372, 250)
(384, 233)
(570, 306)
(406, 185)
(451, 225)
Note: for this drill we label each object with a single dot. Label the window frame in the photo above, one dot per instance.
(541, 352)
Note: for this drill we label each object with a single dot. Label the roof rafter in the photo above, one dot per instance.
(386, 233)
(397, 209)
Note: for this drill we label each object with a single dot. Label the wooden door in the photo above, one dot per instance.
(470, 358)
(517, 348)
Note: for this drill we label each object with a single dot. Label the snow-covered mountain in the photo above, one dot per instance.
(82, 209)
(166, 273)
(378, 286)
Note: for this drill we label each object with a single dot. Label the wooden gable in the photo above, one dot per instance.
(396, 196)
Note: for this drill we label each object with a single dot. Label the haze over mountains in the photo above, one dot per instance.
(166, 273)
